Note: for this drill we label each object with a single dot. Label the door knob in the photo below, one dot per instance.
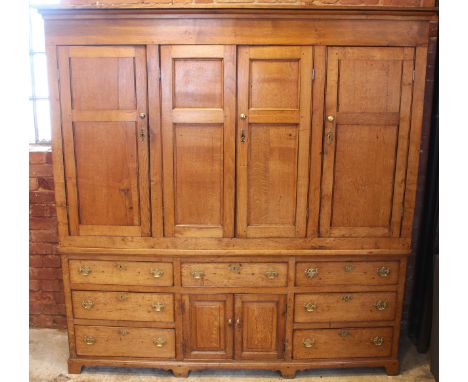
(142, 115)
(243, 116)
(331, 118)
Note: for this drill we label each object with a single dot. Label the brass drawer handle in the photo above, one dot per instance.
(308, 342)
(89, 340)
(383, 271)
(271, 274)
(121, 267)
(377, 341)
(87, 304)
(311, 272)
(158, 306)
(159, 342)
(198, 275)
(122, 297)
(235, 268)
(84, 270)
(347, 298)
(343, 333)
(348, 268)
(157, 273)
(310, 307)
(381, 305)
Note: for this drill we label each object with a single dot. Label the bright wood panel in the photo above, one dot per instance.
(274, 92)
(198, 100)
(103, 89)
(260, 326)
(208, 326)
(366, 137)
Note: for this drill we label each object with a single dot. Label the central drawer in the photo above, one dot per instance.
(235, 274)
(342, 343)
(337, 307)
(124, 342)
(123, 306)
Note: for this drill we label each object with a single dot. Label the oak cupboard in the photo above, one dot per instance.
(236, 188)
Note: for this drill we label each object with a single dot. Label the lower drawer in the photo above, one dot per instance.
(342, 343)
(123, 306)
(124, 342)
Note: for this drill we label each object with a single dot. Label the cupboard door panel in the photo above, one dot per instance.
(260, 326)
(208, 332)
(198, 101)
(103, 90)
(368, 100)
(274, 92)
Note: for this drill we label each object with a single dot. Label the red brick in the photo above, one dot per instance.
(40, 320)
(40, 170)
(33, 184)
(51, 261)
(53, 308)
(34, 285)
(44, 236)
(59, 297)
(42, 223)
(42, 248)
(51, 286)
(38, 157)
(59, 322)
(428, 3)
(35, 261)
(42, 210)
(44, 273)
(41, 197)
(403, 3)
(46, 183)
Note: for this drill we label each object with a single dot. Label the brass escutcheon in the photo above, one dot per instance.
(271, 274)
(347, 298)
(158, 306)
(87, 304)
(311, 272)
(89, 340)
(377, 341)
(84, 270)
(123, 332)
(310, 307)
(157, 273)
(198, 274)
(308, 342)
(383, 271)
(381, 305)
(343, 333)
(348, 268)
(122, 297)
(121, 267)
(159, 342)
(235, 268)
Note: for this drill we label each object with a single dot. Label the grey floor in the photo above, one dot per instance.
(49, 352)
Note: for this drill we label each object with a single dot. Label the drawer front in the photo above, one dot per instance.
(124, 342)
(121, 272)
(123, 306)
(342, 343)
(345, 273)
(338, 307)
(235, 274)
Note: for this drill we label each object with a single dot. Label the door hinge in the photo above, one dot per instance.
(307, 213)
(313, 74)
(414, 75)
(159, 74)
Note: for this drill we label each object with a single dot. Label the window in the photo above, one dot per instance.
(40, 130)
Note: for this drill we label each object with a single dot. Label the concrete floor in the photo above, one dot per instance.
(48, 353)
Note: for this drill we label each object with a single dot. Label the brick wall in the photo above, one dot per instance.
(264, 3)
(46, 298)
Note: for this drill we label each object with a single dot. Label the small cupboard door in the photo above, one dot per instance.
(260, 326)
(367, 123)
(198, 126)
(274, 106)
(104, 123)
(208, 326)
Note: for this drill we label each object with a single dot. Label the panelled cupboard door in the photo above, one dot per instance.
(274, 113)
(366, 136)
(198, 128)
(260, 326)
(103, 101)
(208, 326)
